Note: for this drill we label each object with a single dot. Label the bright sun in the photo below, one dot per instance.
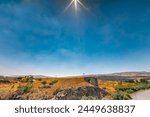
(75, 4)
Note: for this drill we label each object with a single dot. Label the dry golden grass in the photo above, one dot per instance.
(111, 85)
(108, 85)
(37, 91)
(62, 83)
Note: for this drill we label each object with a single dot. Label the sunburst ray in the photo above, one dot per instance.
(76, 4)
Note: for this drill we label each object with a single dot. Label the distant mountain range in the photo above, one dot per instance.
(113, 76)
(34, 76)
(16, 76)
(122, 76)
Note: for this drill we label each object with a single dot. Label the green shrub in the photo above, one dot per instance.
(24, 89)
(29, 79)
(122, 96)
(53, 82)
(131, 89)
(25, 79)
(44, 82)
(121, 88)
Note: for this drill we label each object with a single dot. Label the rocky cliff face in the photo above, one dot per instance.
(78, 93)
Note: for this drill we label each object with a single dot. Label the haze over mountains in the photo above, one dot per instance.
(39, 87)
(15, 76)
(122, 76)
(143, 73)
(112, 76)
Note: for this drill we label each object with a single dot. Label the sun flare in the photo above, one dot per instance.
(75, 4)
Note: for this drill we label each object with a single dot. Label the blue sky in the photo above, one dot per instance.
(40, 37)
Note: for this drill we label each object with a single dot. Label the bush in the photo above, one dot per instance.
(25, 79)
(133, 88)
(24, 89)
(53, 82)
(130, 91)
(122, 96)
(44, 82)
(121, 88)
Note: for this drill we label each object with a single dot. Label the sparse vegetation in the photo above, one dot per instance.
(24, 89)
(133, 88)
(123, 91)
(28, 79)
(120, 95)
(25, 79)
(44, 82)
(53, 82)
(45, 88)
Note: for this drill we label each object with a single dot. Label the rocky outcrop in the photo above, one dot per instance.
(91, 80)
(78, 93)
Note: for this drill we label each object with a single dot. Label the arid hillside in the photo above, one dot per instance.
(73, 88)
(50, 88)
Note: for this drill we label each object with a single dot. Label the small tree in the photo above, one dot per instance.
(44, 82)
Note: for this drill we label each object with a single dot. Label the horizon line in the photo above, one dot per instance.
(84, 74)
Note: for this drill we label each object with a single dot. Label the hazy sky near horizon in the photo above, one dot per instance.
(40, 37)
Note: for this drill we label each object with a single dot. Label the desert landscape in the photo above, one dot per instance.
(118, 86)
(74, 49)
